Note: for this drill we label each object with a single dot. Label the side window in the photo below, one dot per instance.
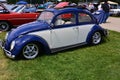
(83, 17)
(65, 19)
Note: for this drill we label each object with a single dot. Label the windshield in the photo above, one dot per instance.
(46, 16)
(17, 8)
(8, 6)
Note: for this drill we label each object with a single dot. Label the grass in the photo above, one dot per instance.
(116, 16)
(101, 62)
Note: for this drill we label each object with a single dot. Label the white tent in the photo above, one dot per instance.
(111, 2)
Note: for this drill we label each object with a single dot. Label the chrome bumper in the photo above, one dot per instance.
(8, 53)
(106, 32)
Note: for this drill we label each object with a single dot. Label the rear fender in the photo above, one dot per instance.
(93, 30)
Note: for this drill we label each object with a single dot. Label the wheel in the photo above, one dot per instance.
(30, 51)
(4, 26)
(96, 38)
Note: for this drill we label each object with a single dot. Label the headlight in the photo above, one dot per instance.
(12, 45)
(6, 36)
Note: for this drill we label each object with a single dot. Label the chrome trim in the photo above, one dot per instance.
(8, 53)
(22, 18)
(67, 47)
(106, 32)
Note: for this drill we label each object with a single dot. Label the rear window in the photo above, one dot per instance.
(83, 17)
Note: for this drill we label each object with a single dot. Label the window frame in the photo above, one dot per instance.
(90, 22)
(65, 25)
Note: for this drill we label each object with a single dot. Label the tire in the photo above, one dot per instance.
(96, 38)
(30, 50)
(4, 26)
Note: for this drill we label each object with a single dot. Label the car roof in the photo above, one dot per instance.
(57, 11)
(71, 9)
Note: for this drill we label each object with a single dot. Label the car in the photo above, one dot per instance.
(8, 6)
(115, 12)
(62, 4)
(18, 8)
(24, 9)
(12, 19)
(53, 32)
(114, 9)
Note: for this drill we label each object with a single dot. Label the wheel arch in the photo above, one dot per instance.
(6, 21)
(22, 41)
(9, 23)
(96, 28)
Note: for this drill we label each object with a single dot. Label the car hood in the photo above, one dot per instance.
(27, 28)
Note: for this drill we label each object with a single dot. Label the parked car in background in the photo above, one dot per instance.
(16, 17)
(115, 12)
(23, 9)
(52, 32)
(114, 8)
(18, 8)
(9, 6)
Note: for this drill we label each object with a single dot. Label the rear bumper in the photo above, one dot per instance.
(106, 32)
(7, 53)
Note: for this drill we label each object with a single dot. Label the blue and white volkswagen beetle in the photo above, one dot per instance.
(54, 30)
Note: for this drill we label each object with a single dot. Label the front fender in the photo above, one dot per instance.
(23, 40)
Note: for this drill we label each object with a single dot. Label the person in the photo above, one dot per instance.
(91, 7)
(100, 6)
(99, 13)
(106, 9)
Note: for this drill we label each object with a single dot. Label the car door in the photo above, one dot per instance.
(65, 32)
(85, 24)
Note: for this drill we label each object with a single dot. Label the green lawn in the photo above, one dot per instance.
(101, 62)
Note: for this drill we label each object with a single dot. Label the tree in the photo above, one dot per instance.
(75, 1)
(12, 1)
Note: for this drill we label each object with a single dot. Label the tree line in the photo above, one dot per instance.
(41, 1)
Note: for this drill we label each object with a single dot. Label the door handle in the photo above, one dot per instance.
(75, 28)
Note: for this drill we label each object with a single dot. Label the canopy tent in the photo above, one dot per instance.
(22, 2)
(111, 2)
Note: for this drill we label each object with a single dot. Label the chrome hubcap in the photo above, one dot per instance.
(30, 51)
(96, 38)
(4, 26)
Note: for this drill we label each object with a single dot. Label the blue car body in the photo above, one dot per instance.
(26, 33)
